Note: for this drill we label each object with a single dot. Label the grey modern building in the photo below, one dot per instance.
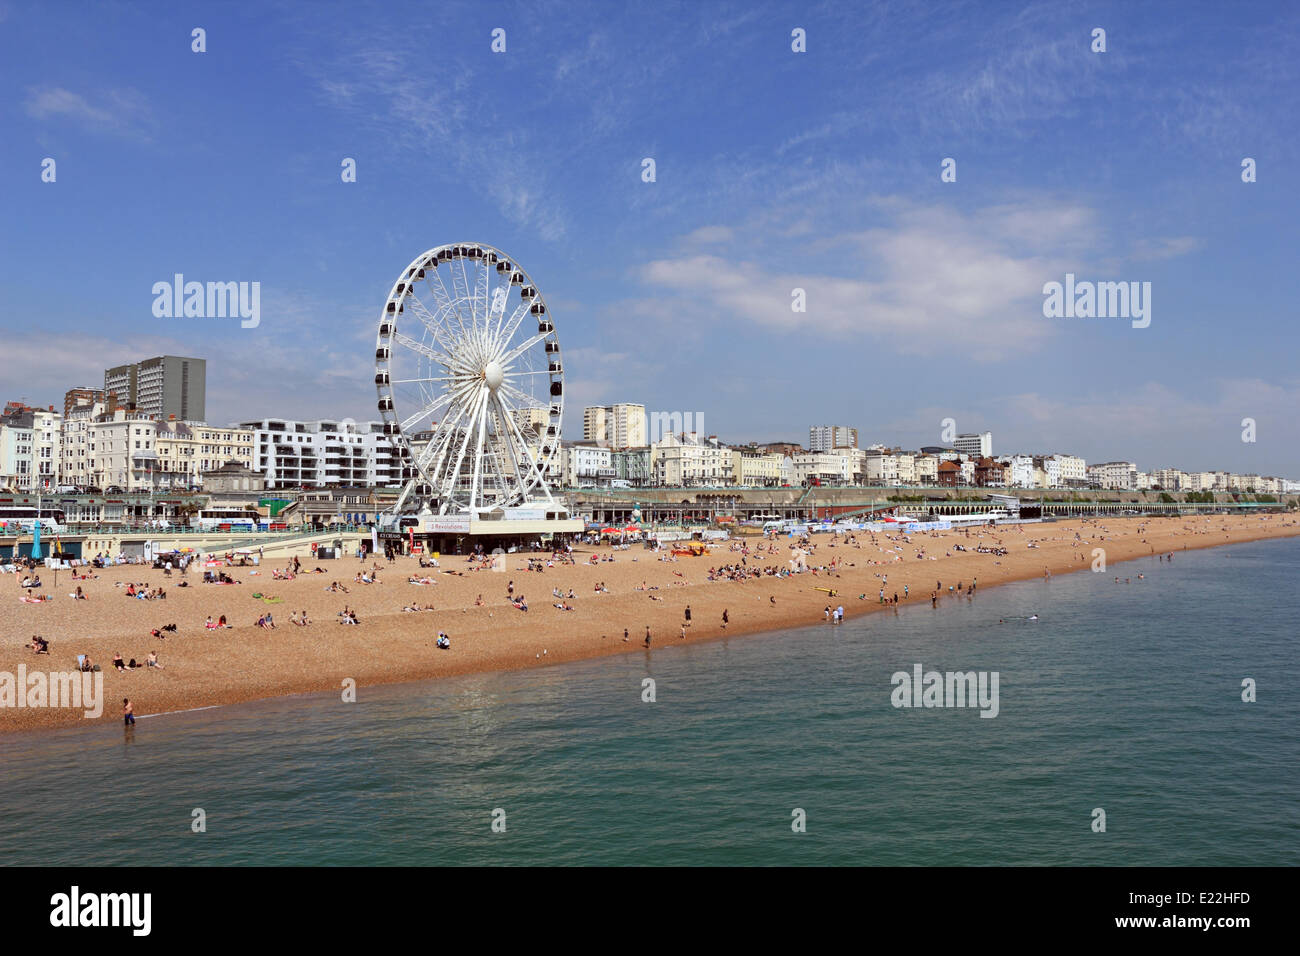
(163, 386)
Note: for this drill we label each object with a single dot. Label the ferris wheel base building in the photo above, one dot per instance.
(455, 534)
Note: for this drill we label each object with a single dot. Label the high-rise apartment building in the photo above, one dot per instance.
(824, 438)
(975, 444)
(161, 387)
(621, 426)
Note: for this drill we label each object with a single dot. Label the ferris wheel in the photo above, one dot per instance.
(470, 382)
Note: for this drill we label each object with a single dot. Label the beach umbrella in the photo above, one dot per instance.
(36, 539)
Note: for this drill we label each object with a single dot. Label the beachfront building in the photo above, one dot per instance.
(29, 447)
(15, 455)
(1114, 475)
(186, 450)
(1019, 471)
(858, 462)
(826, 438)
(1251, 484)
(77, 446)
(1067, 471)
(975, 444)
(161, 387)
(1167, 479)
(751, 469)
(989, 473)
(890, 468)
(324, 453)
(586, 464)
(124, 454)
(682, 460)
(926, 469)
(632, 466)
(827, 468)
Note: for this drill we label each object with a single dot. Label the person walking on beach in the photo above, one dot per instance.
(688, 617)
(724, 619)
(128, 712)
(647, 635)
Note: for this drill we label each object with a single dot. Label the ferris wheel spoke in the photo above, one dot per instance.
(425, 412)
(507, 332)
(480, 302)
(501, 296)
(475, 487)
(534, 465)
(445, 424)
(521, 349)
(442, 334)
(507, 418)
(432, 378)
(442, 359)
(453, 474)
(446, 303)
(460, 290)
(524, 399)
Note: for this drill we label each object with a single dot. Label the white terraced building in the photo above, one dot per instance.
(29, 448)
(1114, 475)
(688, 459)
(317, 454)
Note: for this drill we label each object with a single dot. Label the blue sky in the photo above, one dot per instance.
(774, 170)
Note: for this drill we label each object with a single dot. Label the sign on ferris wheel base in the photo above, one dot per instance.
(537, 524)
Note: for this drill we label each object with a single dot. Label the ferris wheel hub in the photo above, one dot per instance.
(494, 375)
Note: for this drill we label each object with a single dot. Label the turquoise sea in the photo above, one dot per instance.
(1125, 697)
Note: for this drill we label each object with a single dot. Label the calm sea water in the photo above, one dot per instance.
(1124, 697)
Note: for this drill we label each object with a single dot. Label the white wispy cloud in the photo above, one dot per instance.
(124, 112)
(928, 276)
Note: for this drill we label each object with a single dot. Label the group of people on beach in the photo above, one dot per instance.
(144, 592)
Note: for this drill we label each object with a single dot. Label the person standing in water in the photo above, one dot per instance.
(128, 712)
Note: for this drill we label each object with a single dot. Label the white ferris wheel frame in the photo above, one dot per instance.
(475, 358)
